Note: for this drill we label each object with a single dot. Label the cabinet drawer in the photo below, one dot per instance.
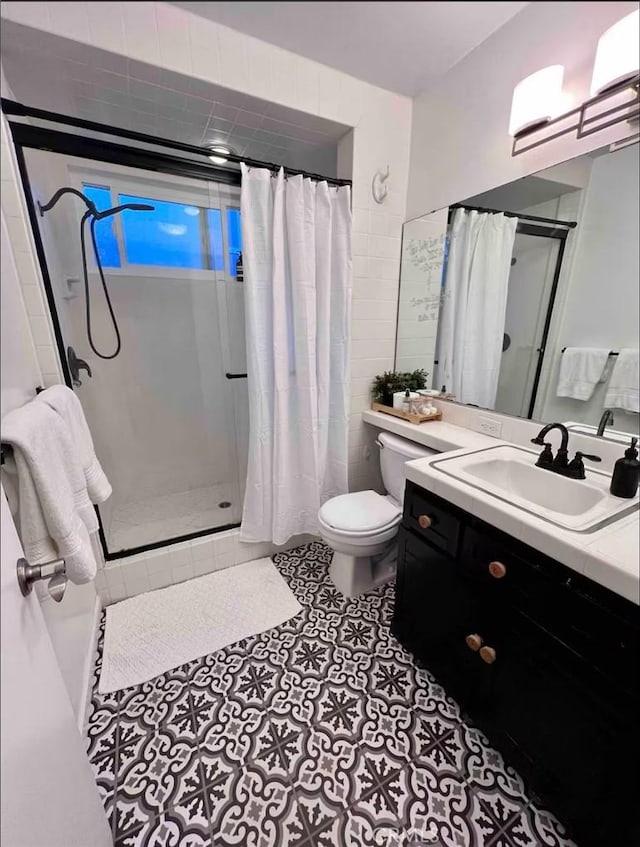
(432, 518)
(514, 576)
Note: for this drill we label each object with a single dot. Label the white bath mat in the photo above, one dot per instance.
(155, 632)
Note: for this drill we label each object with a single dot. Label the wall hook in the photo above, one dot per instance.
(379, 186)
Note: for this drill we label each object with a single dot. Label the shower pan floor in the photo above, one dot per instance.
(139, 522)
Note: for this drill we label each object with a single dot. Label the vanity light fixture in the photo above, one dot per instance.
(536, 100)
(535, 109)
(617, 54)
(219, 154)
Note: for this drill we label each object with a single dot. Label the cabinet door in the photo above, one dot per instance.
(437, 607)
(566, 727)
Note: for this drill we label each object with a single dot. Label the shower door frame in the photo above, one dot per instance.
(26, 136)
(561, 235)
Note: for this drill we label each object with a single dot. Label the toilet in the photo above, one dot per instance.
(361, 527)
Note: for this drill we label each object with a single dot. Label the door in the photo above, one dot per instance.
(48, 794)
(167, 419)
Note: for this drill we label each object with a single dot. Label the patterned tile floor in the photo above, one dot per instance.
(319, 733)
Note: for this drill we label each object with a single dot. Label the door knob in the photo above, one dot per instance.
(54, 571)
(497, 570)
(425, 521)
(488, 655)
(474, 642)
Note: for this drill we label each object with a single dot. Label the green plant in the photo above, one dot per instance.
(385, 385)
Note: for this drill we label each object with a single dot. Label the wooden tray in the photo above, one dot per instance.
(406, 416)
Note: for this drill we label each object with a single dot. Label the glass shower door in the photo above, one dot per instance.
(534, 263)
(169, 427)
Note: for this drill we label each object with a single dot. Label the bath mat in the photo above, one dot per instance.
(155, 632)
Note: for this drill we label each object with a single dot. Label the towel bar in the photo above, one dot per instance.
(611, 352)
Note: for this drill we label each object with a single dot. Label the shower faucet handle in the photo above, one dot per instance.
(76, 365)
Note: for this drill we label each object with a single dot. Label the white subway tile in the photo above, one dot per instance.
(233, 59)
(203, 567)
(141, 31)
(70, 20)
(41, 330)
(114, 577)
(29, 14)
(117, 594)
(26, 268)
(11, 203)
(158, 561)
(160, 579)
(182, 573)
(202, 549)
(106, 26)
(18, 235)
(47, 358)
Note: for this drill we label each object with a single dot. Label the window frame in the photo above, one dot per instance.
(228, 197)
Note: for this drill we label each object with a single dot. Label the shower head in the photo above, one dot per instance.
(93, 215)
(135, 207)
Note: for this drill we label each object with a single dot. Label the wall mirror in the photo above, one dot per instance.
(522, 298)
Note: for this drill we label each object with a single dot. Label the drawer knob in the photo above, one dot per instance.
(474, 642)
(425, 521)
(497, 570)
(488, 655)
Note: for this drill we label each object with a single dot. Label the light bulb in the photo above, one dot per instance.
(536, 99)
(220, 153)
(617, 56)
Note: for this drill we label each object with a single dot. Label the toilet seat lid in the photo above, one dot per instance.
(359, 512)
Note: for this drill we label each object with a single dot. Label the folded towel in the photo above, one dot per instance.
(47, 492)
(63, 401)
(581, 368)
(624, 386)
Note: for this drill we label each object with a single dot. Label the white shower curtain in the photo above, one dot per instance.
(472, 315)
(296, 254)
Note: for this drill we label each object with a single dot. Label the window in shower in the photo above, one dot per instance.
(170, 430)
(172, 235)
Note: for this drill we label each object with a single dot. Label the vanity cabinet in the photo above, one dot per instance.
(542, 659)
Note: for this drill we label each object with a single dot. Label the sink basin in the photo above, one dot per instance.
(510, 474)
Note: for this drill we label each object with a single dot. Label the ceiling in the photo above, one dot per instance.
(64, 76)
(403, 47)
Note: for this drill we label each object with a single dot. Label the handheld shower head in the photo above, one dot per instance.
(92, 215)
(135, 207)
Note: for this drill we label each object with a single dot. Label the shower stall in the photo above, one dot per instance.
(161, 380)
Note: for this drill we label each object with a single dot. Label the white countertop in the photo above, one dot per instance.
(609, 556)
(439, 435)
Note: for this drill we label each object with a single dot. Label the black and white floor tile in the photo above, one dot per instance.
(319, 733)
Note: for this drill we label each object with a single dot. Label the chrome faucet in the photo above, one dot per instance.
(560, 463)
(605, 420)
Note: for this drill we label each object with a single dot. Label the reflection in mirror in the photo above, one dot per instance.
(524, 299)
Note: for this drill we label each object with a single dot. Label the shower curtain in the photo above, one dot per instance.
(297, 263)
(472, 316)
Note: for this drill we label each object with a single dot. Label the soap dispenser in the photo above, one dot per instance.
(626, 472)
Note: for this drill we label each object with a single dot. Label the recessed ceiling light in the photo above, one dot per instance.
(219, 154)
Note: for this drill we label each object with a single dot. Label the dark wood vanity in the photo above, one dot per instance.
(542, 659)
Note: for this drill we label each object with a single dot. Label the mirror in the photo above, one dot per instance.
(520, 299)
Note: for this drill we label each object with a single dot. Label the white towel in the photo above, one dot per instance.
(47, 491)
(63, 401)
(623, 390)
(581, 368)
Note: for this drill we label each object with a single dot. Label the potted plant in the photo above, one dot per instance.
(387, 384)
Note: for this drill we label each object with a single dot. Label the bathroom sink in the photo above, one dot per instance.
(510, 474)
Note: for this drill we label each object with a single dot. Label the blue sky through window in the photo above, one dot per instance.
(170, 235)
(234, 237)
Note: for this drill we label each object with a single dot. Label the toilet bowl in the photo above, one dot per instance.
(361, 527)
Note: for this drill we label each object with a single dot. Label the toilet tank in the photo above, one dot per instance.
(394, 452)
